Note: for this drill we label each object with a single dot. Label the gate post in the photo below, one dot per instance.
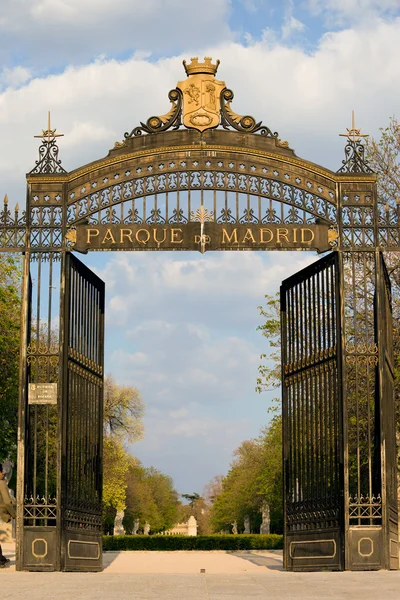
(367, 407)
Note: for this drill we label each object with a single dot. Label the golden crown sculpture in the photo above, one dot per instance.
(206, 67)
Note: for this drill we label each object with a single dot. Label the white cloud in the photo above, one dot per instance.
(14, 77)
(340, 12)
(190, 444)
(290, 26)
(308, 98)
(147, 284)
(181, 326)
(50, 33)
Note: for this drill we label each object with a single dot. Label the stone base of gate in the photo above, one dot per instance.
(313, 551)
(39, 552)
(82, 551)
(366, 548)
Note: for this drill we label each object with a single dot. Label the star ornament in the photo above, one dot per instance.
(49, 134)
(353, 133)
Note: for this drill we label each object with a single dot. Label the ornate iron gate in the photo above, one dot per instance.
(373, 518)
(312, 417)
(82, 419)
(211, 179)
(387, 417)
(61, 422)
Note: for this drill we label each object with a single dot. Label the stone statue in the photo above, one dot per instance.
(266, 521)
(234, 527)
(7, 469)
(192, 526)
(247, 524)
(146, 529)
(118, 527)
(136, 525)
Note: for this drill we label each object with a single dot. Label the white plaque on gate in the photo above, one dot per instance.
(42, 393)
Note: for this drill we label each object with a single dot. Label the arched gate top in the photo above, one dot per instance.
(201, 154)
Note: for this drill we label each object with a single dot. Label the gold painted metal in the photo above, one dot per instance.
(33, 551)
(353, 133)
(201, 95)
(49, 134)
(359, 547)
(202, 215)
(333, 236)
(310, 167)
(71, 236)
(87, 544)
(292, 544)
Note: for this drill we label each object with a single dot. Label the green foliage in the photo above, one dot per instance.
(123, 414)
(384, 158)
(191, 497)
(255, 477)
(180, 542)
(115, 465)
(269, 372)
(123, 411)
(200, 510)
(10, 307)
(150, 497)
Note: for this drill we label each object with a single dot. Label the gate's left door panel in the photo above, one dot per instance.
(82, 417)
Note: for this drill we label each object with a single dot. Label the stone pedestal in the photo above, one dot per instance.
(247, 524)
(192, 526)
(118, 527)
(266, 521)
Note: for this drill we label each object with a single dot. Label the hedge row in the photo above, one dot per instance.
(201, 542)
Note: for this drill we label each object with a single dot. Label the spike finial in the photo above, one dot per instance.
(49, 134)
(354, 133)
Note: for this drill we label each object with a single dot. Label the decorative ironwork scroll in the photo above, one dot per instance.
(354, 161)
(48, 161)
(153, 191)
(12, 228)
(202, 102)
(172, 119)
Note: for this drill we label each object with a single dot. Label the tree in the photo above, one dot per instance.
(10, 307)
(255, 477)
(115, 466)
(123, 414)
(269, 373)
(384, 158)
(123, 411)
(150, 498)
(191, 497)
(200, 510)
(213, 489)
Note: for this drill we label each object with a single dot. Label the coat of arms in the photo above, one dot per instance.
(201, 95)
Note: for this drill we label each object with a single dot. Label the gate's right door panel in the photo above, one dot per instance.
(312, 417)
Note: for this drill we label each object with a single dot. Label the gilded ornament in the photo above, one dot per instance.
(71, 235)
(333, 236)
(201, 95)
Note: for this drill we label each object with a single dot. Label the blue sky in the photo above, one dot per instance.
(182, 327)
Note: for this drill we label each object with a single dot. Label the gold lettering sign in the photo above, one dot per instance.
(226, 239)
(197, 236)
(175, 236)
